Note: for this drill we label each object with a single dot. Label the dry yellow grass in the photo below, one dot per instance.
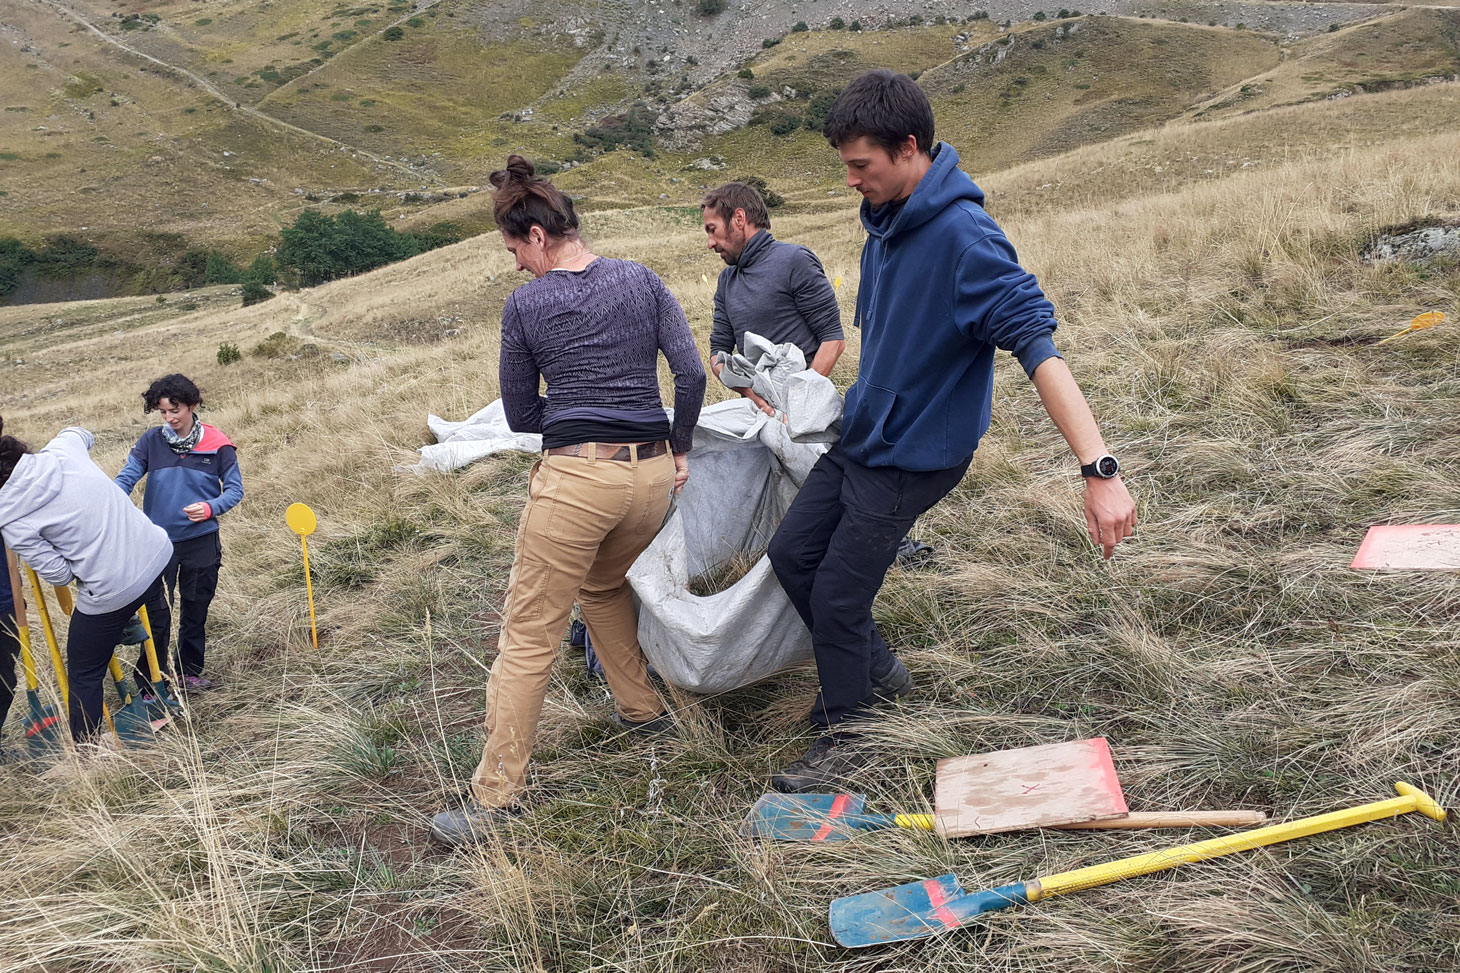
(1226, 652)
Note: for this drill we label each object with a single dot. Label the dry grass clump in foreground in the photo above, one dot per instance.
(1221, 333)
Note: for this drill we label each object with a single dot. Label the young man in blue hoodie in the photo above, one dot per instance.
(941, 291)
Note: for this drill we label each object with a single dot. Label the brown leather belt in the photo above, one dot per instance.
(623, 452)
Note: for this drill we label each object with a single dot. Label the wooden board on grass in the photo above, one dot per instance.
(1034, 787)
(1410, 547)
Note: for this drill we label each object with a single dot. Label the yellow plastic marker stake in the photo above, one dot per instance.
(836, 285)
(57, 662)
(301, 520)
(1420, 322)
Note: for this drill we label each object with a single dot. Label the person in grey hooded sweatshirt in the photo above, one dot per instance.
(64, 517)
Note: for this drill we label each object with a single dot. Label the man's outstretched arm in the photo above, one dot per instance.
(1110, 513)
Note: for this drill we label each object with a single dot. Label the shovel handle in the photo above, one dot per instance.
(1411, 799)
(44, 613)
(1173, 819)
(22, 630)
(149, 649)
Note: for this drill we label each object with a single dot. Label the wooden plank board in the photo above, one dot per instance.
(1033, 787)
(1410, 547)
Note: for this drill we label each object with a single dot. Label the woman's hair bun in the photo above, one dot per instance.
(518, 170)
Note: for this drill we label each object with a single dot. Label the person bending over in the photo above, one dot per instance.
(64, 517)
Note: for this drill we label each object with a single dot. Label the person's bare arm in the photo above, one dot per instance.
(1110, 513)
(827, 355)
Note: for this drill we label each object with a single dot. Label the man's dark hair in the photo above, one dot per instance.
(883, 107)
(726, 199)
(178, 388)
(522, 199)
(11, 450)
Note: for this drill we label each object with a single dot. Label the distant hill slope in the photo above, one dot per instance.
(1411, 47)
(287, 105)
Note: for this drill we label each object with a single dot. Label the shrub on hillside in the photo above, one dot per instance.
(770, 42)
(758, 91)
(799, 27)
(785, 124)
(709, 8)
(771, 197)
(855, 25)
(745, 73)
(318, 248)
(837, 24)
(393, 33)
(228, 352)
(254, 292)
(14, 255)
(634, 128)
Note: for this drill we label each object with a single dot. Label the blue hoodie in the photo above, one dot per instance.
(941, 288)
(208, 472)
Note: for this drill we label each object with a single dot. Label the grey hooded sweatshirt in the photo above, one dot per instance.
(64, 517)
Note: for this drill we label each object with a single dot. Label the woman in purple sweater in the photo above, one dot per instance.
(593, 328)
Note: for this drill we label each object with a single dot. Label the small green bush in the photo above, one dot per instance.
(799, 27)
(745, 73)
(785, 124)
(228, 353)
(758, 91)
(837, 24)
(1039, 15)
(708, 8)
(855, 25)
(770, 42)
(254, 293)
(393, 33)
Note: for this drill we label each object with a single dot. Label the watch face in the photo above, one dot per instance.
(1107, 467)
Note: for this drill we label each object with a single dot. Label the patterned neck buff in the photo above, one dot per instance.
(183, 444)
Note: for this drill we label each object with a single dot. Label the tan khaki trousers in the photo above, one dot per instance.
(586, 522)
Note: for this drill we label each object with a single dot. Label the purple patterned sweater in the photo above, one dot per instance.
(595, 336)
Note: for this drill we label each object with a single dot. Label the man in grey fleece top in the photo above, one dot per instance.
(777, 290)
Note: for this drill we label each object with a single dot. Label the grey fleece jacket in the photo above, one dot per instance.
(779, 291)
(64, 517)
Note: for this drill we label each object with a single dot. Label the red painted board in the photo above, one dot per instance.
(1410, 547)
(1033, 787)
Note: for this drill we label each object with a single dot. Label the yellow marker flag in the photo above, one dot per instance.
(1420, 322)
(704, 279)
(836, 285)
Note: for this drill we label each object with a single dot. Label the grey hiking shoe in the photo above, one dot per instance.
(895, 683)
(660, 726)
(470, 823)
(827, 765)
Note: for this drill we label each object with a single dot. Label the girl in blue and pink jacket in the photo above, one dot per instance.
(192, 480)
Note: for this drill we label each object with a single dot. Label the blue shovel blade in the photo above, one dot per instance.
(916, 910)
(801, 817)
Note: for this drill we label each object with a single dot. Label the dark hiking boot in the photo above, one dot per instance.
(471, 823)
(827, 766)
(660, 726)
(893, 684)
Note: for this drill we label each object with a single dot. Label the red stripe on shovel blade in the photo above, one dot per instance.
(838, 808)
(937, 900)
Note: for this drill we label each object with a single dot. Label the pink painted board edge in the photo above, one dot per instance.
(1378, 548)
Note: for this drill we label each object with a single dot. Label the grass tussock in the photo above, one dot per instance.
(1227, 653)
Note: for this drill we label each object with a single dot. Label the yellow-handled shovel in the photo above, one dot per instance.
(936, 905)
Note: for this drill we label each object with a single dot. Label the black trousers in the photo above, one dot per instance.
(9, 659)
(831, 553)
(192, 579)
(90, 642)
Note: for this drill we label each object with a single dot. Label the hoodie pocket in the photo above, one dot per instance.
(868, 423)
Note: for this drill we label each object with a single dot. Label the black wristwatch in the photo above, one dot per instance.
(1104, 468)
